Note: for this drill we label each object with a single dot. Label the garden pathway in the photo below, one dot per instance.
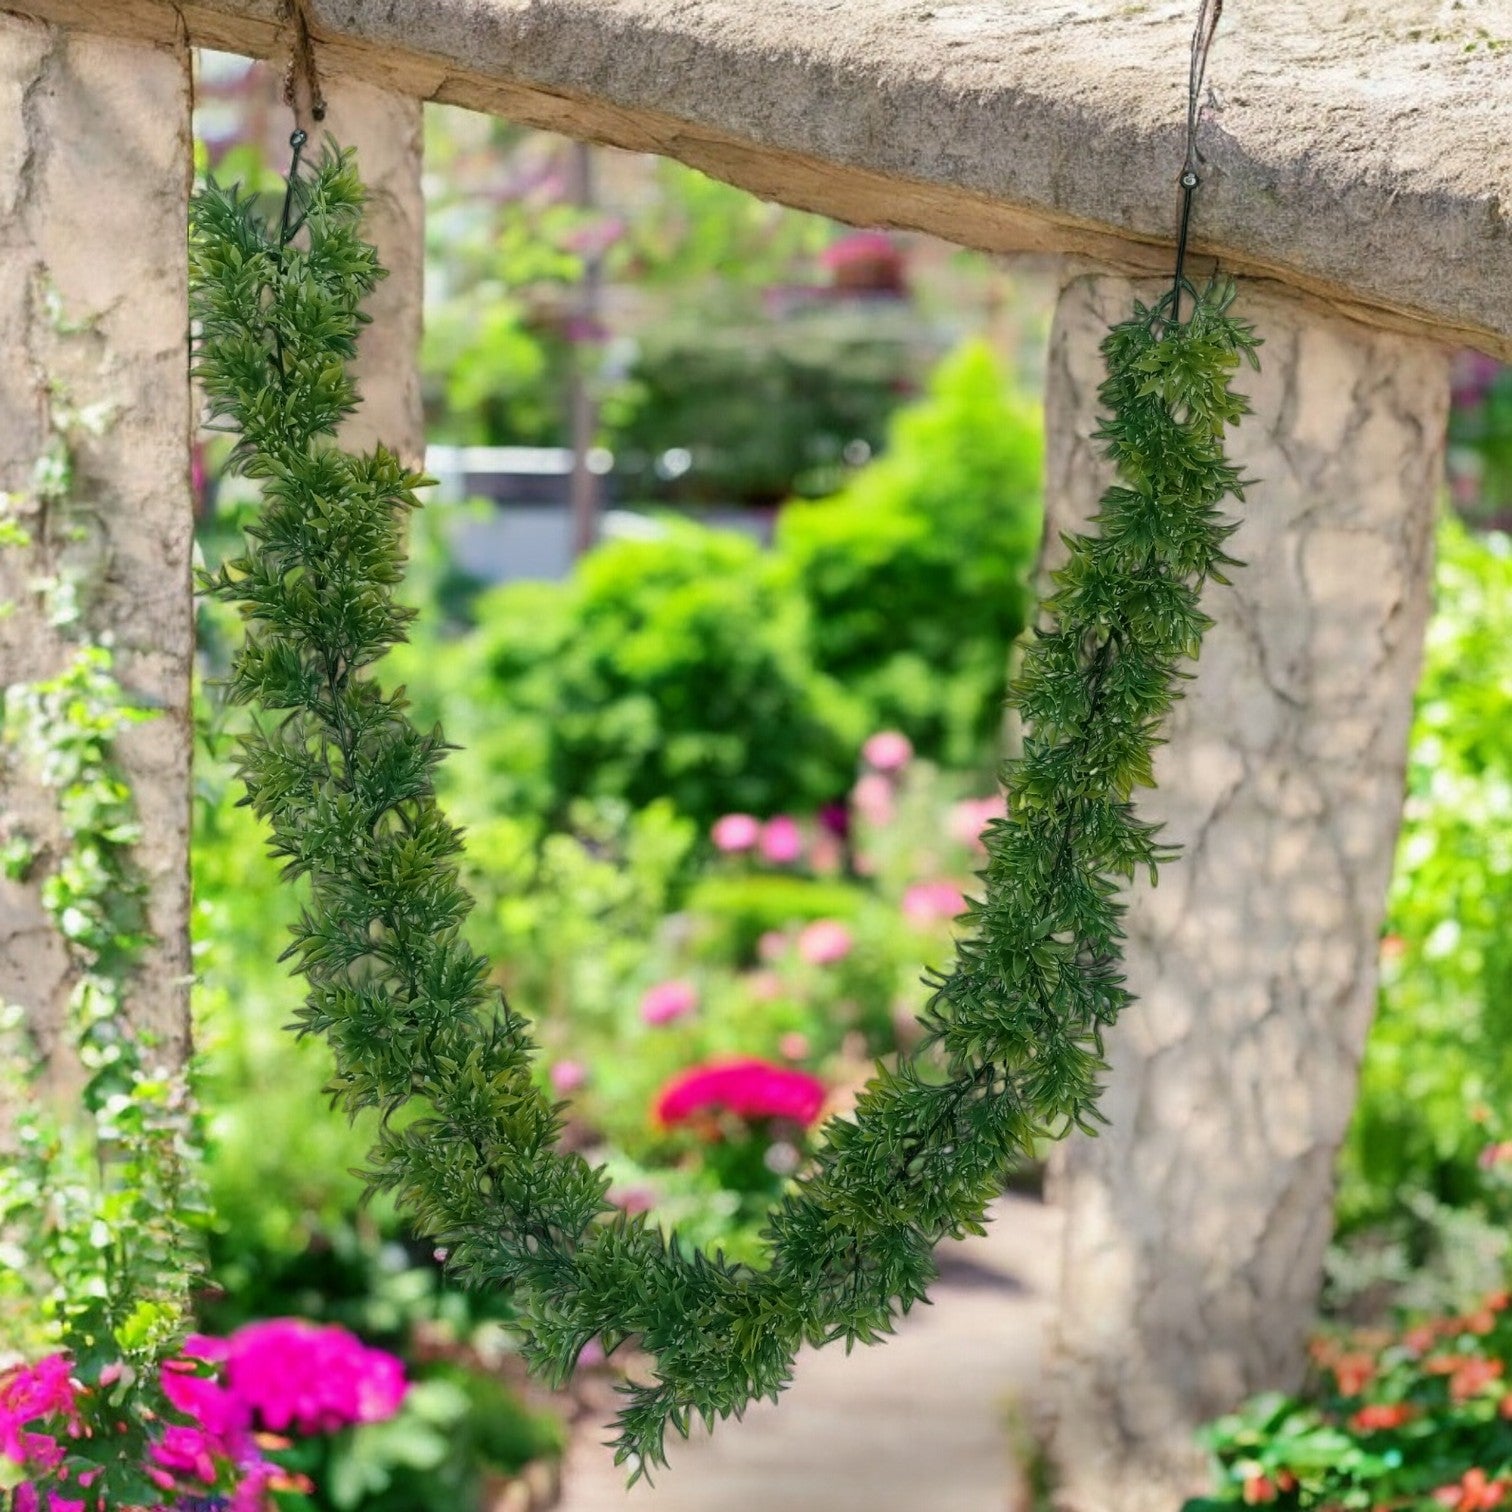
(920, 1424)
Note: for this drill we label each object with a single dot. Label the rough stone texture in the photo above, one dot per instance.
(1196, 1223)
(1362, 152)
(385, 128)
(94, 180)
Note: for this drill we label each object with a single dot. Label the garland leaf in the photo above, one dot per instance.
(345, 783)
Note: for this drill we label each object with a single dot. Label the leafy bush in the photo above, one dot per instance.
(674, 668)
(916, 573)
(1440, 1053)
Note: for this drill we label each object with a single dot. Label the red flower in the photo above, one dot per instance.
(1259, 1488)
(1378, 1415)
(1473, 1493)
(751, 1089)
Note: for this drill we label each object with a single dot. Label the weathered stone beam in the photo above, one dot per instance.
(1361, 153)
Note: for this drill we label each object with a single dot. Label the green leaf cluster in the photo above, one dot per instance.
(344, 782)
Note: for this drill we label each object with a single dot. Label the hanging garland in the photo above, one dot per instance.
(1012, 1050)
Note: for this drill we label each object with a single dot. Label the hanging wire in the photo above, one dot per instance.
(1202, 42)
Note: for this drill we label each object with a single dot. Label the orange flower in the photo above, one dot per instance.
(1354, 1372)
(1259, 1488)
(1497, 1301)
(1472, 1377)
(1380, 1415)
(1479, 1322)
(1473, 1493)
(1420, 1339)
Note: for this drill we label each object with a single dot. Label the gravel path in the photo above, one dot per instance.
(916, 1425)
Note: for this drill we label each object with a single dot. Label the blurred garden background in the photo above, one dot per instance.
(723, 772)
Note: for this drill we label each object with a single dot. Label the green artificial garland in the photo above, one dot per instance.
(1013, 1045)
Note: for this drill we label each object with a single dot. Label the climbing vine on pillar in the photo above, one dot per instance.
(100, 1199)
(1012, 1049)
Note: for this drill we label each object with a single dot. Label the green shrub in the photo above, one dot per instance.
(1440, 1054)
(764, 409)
(737, 909)
(674, 668)
(916, 573)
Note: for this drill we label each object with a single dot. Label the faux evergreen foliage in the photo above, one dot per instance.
(1013, 1049)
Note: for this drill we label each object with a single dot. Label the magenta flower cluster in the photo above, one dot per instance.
(750, 1089)
(279, 1375)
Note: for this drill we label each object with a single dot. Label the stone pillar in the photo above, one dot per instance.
(1196, 1223)
(95, 167)
(386, 130)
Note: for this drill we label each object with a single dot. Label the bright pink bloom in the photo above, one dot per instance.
(312, 1378)
(972, 815)
(887, 751)
(781, 840)
(929, 903)
(41, 1392)
(567, 1076)
(667, 1001)
(750, 1089)
(824, 942)
(736, 832)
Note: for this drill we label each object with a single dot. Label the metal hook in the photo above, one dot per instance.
(1202, 42)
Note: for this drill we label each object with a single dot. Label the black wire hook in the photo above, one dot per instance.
(1202, 42)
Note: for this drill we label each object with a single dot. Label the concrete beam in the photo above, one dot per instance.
(1362, 154)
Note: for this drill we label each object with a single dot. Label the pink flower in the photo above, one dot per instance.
(567, 1076)
(772, 945)
(31, 1394)
(310, 1377)
(736, 832)
(764, 986)
(873, 797)
(824, 942)
(929, 903)
(971, 816)
(632, 1199)
(750, 1089)
(794, 1045)
(887, 751)
(667, 1001)
(781, 840)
